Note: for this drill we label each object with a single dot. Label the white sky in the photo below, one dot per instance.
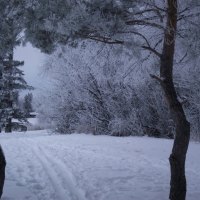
(33, 61)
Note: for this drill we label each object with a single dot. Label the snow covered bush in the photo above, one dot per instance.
(93, 91)
(189, 93)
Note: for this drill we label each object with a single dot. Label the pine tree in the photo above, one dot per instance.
(12, 83)
(11, 77)
(27, 105)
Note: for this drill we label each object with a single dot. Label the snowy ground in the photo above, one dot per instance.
(41, 166)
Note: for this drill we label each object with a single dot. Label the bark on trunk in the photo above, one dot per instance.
(2, 170)
(181, 141)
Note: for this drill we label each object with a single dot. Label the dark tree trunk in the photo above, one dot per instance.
(8, 128)
(182, 137)
(2, 170)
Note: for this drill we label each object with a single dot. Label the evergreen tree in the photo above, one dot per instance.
(12, 83)
(11, 77)
(27, 105)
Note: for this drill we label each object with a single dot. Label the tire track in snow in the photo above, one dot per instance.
(62, 180)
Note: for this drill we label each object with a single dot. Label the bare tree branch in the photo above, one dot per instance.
(103, 39)
(144, 23)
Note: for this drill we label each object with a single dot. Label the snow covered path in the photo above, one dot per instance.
(84, 167)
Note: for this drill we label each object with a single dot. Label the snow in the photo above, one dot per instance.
(33, 121)
(44, 166)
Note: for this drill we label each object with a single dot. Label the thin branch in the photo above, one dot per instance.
(148, 47)
(160, 80)
(189, 16)
(184, 10)
(144, 23)
(103, 39)
(184, 56)
(152, 50)
(154, 10)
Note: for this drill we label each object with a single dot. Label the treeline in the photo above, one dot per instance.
(94, 92)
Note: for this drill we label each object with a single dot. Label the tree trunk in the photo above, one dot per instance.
(182, 136)
(2, 170)
(8, 127)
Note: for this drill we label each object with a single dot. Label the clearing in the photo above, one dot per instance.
(44, 166)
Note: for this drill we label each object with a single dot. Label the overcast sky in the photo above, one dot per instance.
(32, 68)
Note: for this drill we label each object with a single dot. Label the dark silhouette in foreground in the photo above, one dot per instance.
(2, 170)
